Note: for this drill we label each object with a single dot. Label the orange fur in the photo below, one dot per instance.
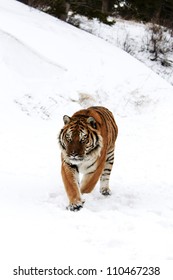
(87, 143)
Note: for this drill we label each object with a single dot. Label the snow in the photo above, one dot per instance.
(49, 68)
(135, 38)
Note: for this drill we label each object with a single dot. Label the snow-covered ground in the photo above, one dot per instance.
(136, 39)
(49, 68)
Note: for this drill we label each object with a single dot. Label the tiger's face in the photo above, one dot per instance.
(79, 139)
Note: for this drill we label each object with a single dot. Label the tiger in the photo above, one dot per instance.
(87, 143)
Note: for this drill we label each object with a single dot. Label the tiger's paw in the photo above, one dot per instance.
(75, 206)
(105, 191)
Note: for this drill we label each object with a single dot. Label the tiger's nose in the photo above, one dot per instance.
(74, 153)
(75, 156)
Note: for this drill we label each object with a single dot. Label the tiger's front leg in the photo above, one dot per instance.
(105, 176)
(91, 178)
(70, 178)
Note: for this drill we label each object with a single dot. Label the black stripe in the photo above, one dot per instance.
(73, 166)
(90, 173)
(96, 136)
(110, 158)
(91, 164)
(92, 137)
(105, 174)
(94, 148)
(110, 152)
(110, 163)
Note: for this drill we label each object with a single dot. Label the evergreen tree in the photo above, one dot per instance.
(23, 1)
(160, 11)
(57, 8)
(166, 13)
(92, 8)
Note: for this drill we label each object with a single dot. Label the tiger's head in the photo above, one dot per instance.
(79, 139)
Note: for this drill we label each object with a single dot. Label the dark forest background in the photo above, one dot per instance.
(157, 11)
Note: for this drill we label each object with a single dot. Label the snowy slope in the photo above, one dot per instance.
(49, 68)
(135, 38)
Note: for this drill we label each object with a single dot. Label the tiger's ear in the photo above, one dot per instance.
(92, 122)
(66, 119)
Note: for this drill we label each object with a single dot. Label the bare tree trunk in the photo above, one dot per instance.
(65, 15)
(105, 6)
(67, 7)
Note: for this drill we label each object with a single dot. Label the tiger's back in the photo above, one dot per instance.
(87, 143)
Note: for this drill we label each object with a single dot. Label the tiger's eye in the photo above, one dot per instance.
(68, 138)
(83, 138)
